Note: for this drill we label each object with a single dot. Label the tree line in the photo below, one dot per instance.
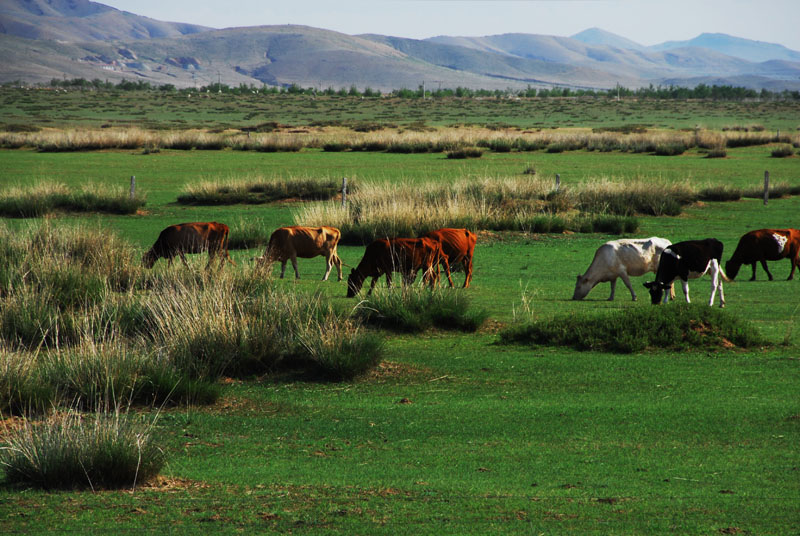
(701, 91)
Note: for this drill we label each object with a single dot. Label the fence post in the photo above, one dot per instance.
(133, 187)
(344, 192)
(558, 182)
(766, 187)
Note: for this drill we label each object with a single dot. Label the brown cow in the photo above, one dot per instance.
(458, 245)
(190, 238)
(765, 245)
(404, 255)
(304, 242)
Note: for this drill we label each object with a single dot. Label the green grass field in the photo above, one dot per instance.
(454, 433)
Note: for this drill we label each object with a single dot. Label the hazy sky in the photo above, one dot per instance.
(647, 22)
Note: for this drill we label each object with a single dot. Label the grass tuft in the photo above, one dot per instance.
(675, 327)
(106, 450)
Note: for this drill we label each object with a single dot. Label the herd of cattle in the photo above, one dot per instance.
(617, 259)
(443, 247)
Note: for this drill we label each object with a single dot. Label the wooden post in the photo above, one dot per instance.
(558, 182)
(133, 186)
(344, 192)
(766, 187)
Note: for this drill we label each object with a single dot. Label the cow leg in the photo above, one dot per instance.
(716, 284)
(613, 289)
(795, 264)
(294, 265)
(468, 270)
(685, 286)
(753, 278)
(338, 262)
(283, 268)
(763, 265)
(627, 281)
(672, 291)
(329, 265)
(372, 285)
(447, 270)
(183, 258)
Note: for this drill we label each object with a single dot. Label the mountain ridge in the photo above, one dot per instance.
(45, 39)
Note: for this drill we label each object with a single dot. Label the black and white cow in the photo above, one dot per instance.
(689, 260)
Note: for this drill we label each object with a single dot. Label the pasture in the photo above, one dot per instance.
(453, 432)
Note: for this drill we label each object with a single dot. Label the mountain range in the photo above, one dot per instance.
(45, 39)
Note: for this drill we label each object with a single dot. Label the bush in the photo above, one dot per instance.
(670, 149)
(416, 309)
(672, 327)
(783, 151)
(106, 450)
(721, 193)
(469, 152)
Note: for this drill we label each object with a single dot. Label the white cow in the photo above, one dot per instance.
(621, 258)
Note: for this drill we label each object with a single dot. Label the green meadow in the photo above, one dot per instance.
(452, 432)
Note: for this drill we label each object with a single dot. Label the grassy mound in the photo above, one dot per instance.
(672, 327)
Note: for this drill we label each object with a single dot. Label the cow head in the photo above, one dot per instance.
(732, 269)
(354, 282)
(582, 288)
(149, 259)
(656, 289)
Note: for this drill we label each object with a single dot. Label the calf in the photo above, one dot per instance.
(185, 238)
(404, 255)
(689, 260)
(762, 246)
(288, 243)
(621, 259)
(458, 245)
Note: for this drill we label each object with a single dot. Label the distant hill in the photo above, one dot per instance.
(597, 36)
(754, 51)
(81, 20)
(45, 39)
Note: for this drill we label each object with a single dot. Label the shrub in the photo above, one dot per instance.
(783, 151)
(104, 450)
(670, 149)
(415, 309)
(469, 152)
(673, 327)
(721, 193)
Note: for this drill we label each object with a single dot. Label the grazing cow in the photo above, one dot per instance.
(304, 242)
(458, 245)
(404, 255)
(621, 259)
(685, 260)
(190, 238)
(765, 245)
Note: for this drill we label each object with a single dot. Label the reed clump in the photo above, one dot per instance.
(108, 449)
(45, 198)
(511, 203)
(258, 190)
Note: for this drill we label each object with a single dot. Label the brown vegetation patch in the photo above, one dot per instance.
(387, 370)
(168, 483)
(11, 425)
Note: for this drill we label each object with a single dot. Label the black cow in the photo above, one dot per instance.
(689, 260)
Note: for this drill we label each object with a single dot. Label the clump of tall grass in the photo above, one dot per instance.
(783, 151)
(530, 205)
(415, 309)
(240, 326)
(469, 152)
(654, 198)
(676, 327)
(46, 198)
(776, 191)
(104, 450)
(247, 233)
(21, 386)
(260, 190)
(721, 193)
